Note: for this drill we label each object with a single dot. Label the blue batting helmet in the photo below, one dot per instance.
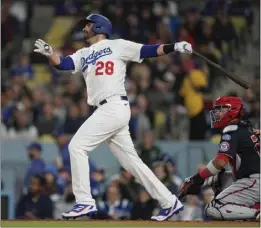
(101, 24)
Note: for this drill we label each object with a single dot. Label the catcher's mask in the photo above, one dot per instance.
(226, 110)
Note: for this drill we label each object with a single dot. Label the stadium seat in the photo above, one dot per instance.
(216, 53)
(46, 139)
(238, 22)
(31, 84)
(215, 138)
(78, 45)
(58, 30)
(42, 75)
(225, 46)
(160, 119)
(42, 20)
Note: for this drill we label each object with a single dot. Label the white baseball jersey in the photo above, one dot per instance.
(103, 66)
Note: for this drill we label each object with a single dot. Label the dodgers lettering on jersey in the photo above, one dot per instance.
(93, 57)
(103, 66)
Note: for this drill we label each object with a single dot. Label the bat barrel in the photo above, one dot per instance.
(228, 74)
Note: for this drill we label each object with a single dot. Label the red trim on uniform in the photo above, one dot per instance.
(205, 173)
(223, 157)
(237, 204)
(256, 206)
(242, 189)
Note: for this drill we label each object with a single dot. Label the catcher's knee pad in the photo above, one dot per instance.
(229, 211)
(212, 210)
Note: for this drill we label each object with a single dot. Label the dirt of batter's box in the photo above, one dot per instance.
(104, 223)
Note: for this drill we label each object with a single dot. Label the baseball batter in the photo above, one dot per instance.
(103, 65)
(239, 147)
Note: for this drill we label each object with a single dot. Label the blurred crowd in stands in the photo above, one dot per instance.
(169, 96)
(166, 94)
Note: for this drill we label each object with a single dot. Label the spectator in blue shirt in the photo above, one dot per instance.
(24, 68)
(97, 181)
(35, 204)
(63, 179)
(143, 207)
(62, 142)
(37, 165)
(115, 207)
(51, 176)
(212, 5)
(73, 120)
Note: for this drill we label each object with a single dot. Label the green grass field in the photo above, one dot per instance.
(41, 223)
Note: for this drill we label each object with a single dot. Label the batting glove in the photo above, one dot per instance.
(183, 47)
(43, 48)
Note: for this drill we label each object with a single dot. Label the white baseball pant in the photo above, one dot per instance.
(109, 124)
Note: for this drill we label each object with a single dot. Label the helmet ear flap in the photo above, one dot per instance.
(97, 26)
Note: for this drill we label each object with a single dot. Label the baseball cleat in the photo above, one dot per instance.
(167, 213)
(80, 210)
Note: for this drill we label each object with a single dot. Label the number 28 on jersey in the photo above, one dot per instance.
(104, 68)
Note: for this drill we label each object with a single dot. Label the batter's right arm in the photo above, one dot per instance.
(149, 51)
(183, 47)
(131, 51)
(61, 63)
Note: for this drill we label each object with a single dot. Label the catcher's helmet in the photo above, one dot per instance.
(225, 110)
(101, 24)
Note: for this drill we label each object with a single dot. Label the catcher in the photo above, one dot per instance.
(239, 147)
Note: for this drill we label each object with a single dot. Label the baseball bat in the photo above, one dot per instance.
(230, 75)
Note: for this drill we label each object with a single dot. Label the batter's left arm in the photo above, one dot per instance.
(149, 51)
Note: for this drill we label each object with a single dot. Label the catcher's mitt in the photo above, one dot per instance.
(190, 186)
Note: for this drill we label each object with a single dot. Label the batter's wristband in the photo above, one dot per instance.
(168, 48)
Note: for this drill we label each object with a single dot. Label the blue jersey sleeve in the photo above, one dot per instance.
(149, 51)
(66, 64)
